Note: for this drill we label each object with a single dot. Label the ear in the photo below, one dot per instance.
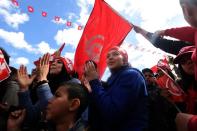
(74, 105)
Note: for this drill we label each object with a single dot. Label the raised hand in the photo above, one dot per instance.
(90, 71)
(23, 78)
(43, 67)
(15, 120)
(160, 33)
(86, 83)
(137, 29)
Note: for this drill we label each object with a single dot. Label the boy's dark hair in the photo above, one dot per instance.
(147, 70)
(77, 91)
(6, 56)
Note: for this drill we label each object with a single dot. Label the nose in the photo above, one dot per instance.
(109, 57)
(50, 100)
(53, 63)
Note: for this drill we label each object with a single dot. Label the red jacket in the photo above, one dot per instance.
(188, 34)
(192, 124)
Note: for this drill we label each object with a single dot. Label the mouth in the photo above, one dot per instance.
(52, 67)
(111, 63)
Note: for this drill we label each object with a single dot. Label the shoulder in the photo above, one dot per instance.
(130, 71)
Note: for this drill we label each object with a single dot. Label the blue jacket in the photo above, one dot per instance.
(123, 105)
(34, 111)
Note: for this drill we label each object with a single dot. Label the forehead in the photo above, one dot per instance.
(57, 59)
(112, 51)
(62, 90)
(147, 73)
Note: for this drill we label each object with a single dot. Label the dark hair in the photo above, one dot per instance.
(55, 80)
(6, 56)
(147, 70)
(186, 80)
(77, 91)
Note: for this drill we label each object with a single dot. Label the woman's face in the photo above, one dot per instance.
(188, 65)
(56, 67)
(114, 59)
(58, 106)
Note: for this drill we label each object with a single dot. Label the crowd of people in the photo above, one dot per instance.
(52, 97)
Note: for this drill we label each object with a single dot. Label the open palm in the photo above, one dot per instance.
(23, 78)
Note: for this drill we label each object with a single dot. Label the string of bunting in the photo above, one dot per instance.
(45, 14)
(143, 49)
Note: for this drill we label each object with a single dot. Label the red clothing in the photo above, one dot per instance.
(191, 101)
(183, 33)
(188, 34)
(192, 124)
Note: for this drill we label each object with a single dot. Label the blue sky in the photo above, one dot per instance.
(26, 36)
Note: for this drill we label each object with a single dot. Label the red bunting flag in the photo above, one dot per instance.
(104, 29)
(15, 2)
(68, 23)
(80, 27)
(44, 14)
(54, 55)
(30, 9)
(57, 18)
(4, 68)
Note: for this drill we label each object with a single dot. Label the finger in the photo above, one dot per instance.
(44, 59)
(23, 114)
(47, 59)
(25, 70)
(92, 66)
(22, 70)
(41, 60)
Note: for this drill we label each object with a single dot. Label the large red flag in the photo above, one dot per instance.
(4, 68)
(104, 29)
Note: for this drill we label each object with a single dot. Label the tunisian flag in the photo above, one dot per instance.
(104, 29)
(4, 68)
(165, 81)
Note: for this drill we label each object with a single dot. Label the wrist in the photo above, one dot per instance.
(42, 79)
(41, 82)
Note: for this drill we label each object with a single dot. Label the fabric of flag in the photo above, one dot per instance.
(68, 23)
(154, 68)
(30, 9)
(53, 56)
(104, 29)
(57, 18)
(15, 2)
(44, 14)
(4, 68)
(165, 81)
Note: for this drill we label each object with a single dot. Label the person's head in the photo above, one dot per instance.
(61, 64)
(116, 58)
(70, 100)
(184, 59)
(149, 76)
(189, 8)
(6, 56)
